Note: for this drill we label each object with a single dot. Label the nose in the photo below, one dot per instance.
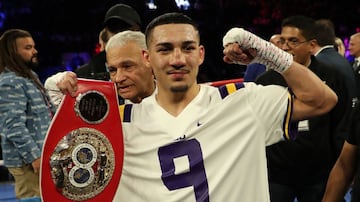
(120, 75)
(177, 58)
(284, 46)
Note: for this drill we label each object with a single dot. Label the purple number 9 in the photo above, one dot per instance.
(196, 176)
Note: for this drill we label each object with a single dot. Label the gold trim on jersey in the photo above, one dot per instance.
(288, 118)
(121, 110)
(231, 88)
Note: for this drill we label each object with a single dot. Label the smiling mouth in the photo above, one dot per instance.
(178, 74)
(178, 71)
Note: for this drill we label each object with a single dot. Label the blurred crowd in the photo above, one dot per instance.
(63, 27)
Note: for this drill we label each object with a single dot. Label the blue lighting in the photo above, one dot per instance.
(183, 4)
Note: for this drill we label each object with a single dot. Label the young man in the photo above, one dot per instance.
(325, 51)
(190, 142)
(25, 111)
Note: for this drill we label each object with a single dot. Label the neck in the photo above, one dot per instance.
(145, 94)
(307, 63)
(175, 102)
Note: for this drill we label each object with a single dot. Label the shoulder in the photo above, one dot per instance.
(332, 57)
(13, 87)
(208, 88)
(220, 92)
(10, 78)
(334, 77)
(83, 70)
(324, 66)
(318, 66)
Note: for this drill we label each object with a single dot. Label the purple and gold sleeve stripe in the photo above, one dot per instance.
(229, 88)
(290, 127)
(125, 112)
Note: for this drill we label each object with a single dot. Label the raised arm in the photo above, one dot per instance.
(312, 96)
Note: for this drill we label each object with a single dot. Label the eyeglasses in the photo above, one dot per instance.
(292, 42)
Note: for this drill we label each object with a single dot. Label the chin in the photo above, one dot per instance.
(179, 89)
(124, 95)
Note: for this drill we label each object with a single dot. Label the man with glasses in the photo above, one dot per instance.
(299, 169)
(291, 42)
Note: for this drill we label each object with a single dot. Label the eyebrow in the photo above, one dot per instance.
(122, 63)
(171, 44)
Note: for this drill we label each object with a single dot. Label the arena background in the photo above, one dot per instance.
(66, 31)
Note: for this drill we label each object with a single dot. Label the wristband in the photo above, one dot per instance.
(267, 53)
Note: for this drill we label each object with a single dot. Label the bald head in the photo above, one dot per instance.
(275, 39)
(354, 45)
(356, 35)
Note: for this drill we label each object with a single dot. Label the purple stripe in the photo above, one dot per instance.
(127, 112)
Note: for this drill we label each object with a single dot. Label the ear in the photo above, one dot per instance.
(313, 46)
(145, 54)
(146, 59)
(201, 54)
(313, 42)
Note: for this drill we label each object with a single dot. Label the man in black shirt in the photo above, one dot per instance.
(119, 17)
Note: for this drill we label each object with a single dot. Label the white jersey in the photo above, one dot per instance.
(213, 151)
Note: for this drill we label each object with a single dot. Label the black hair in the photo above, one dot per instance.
(325, 32)
(304, 23)
(169, 18)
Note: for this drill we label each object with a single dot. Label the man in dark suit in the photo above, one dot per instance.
(326, 53)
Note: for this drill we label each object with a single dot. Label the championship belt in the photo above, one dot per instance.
(83, 151)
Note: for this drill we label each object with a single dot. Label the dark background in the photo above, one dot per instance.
(66, 31)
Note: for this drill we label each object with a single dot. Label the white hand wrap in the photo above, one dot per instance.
(267, 53)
